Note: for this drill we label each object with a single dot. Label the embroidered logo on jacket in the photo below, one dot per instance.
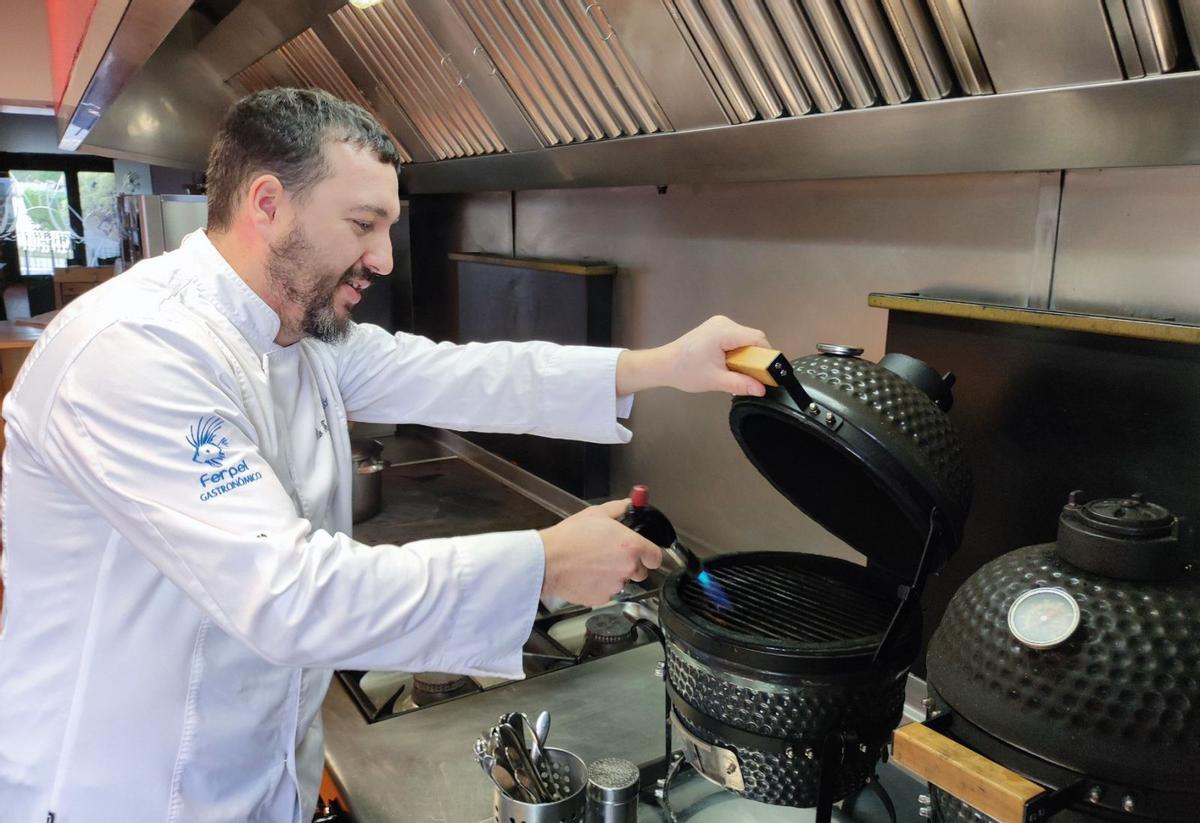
(226, 480)
(207, 447)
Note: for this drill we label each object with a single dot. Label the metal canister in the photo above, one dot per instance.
(612, 791)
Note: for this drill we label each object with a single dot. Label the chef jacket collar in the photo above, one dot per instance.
(248, 312)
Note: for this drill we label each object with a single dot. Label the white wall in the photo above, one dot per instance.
(24, 54)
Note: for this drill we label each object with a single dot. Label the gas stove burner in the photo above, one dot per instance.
(429, 687)
(609, 629)
(438, 683)
(559, 640)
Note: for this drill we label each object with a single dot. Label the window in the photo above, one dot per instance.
(101, 231)
(55, 210)
(42, 220)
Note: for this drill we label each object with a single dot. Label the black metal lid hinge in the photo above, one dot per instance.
(910, 594)
(785, 376)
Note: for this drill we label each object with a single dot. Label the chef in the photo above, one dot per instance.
(179, 574)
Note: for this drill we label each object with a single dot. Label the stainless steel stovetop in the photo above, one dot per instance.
(569, 636)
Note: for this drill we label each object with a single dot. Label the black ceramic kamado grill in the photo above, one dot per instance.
(786, 671)
(1064, 678)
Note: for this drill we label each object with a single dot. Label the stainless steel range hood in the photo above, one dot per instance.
(506, 94)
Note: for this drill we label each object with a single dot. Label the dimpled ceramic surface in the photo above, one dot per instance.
(870, 463)
(952, 810)
(807, 713)
(810, 711)
(794, 781)
(903, 411)
(1119, 700)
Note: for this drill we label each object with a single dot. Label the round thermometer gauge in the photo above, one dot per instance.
(1043, 618)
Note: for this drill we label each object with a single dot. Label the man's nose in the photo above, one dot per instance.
(378, 257)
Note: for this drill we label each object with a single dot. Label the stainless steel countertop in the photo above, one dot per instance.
(419, 768)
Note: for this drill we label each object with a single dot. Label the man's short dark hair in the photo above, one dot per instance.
(283, 132)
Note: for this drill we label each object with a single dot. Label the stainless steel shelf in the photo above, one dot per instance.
(1148, 122)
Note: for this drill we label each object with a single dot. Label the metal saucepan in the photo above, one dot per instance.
(367, 496)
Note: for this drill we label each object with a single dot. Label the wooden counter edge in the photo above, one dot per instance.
(561, 267)
(1159, 330)
(15, 336)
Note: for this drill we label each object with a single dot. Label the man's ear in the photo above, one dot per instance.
(265, 201)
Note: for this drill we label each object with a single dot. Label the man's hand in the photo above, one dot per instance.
(694, 362)
(590, 556)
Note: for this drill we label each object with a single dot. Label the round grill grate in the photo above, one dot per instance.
(792, 598)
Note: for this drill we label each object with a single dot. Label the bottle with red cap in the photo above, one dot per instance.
(646, 520)
(653, 525)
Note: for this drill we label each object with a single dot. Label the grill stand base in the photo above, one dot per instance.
(676, 764)
(879, 791)
(831, 755)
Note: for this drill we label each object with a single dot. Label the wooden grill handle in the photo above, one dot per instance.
(991, 788)
(753, 361)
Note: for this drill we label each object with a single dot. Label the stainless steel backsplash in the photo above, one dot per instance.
(798, 259)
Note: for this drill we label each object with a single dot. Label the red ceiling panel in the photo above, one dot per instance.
(68, 22)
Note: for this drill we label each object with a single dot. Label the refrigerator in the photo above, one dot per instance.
(152, 224)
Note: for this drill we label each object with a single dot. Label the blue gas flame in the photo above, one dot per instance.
(714, 590)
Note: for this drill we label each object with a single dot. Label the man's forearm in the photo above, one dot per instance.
(694, 362)
(642, 369)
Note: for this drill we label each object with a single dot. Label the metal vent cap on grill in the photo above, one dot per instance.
(1130, 538)
(866, 452)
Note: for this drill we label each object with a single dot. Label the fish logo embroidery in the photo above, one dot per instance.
(207, 447)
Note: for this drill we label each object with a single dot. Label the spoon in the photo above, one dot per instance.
(504, 781)
(541, 728)
(518, 758)
(528, 785)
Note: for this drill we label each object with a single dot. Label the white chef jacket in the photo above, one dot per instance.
(180, 579)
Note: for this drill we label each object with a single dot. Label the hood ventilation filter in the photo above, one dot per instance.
(304, 61)
(419, 75)
(564, 64)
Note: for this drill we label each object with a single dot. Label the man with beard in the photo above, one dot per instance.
(179, 569)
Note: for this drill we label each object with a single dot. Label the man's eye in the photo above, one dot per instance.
(363, 227)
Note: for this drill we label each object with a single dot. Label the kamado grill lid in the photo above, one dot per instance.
(865, 449)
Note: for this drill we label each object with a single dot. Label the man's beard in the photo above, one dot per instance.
(308, 287)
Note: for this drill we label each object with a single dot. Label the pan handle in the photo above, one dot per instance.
(771, 368)
(991, 788)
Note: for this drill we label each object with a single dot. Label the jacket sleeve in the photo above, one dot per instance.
(524, 388)
(162, 449)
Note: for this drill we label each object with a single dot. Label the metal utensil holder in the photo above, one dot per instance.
(571, 809)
